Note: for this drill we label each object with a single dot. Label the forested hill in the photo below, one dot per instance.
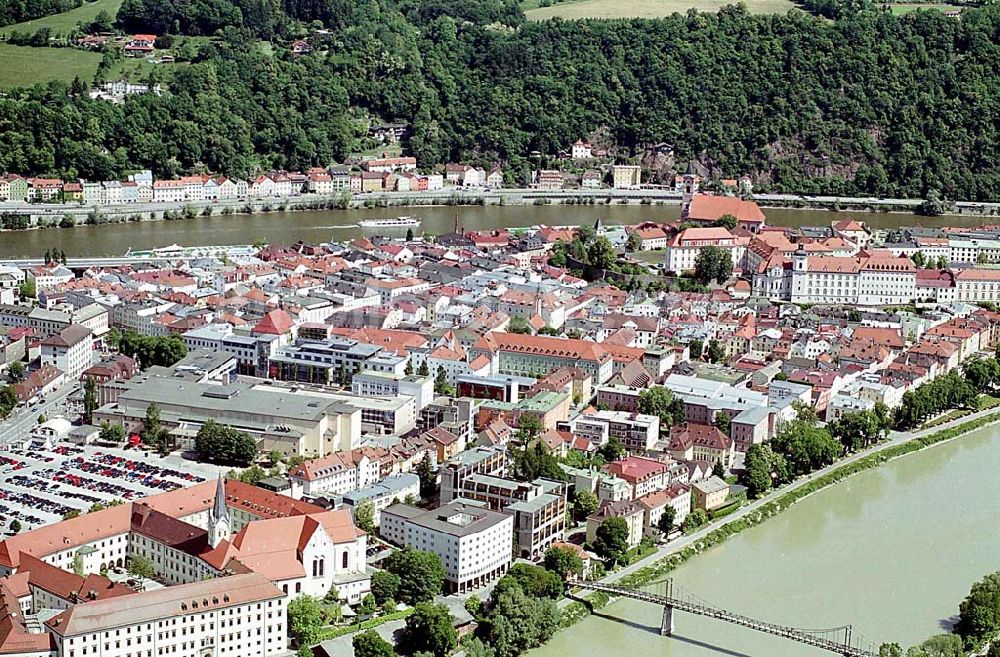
(867, 104)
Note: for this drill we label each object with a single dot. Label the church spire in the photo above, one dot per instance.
(218, 521)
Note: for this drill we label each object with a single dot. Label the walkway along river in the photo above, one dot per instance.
(326, 225)
(892, 550)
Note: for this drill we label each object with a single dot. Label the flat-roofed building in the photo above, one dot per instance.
(473, 543)
(479, 461)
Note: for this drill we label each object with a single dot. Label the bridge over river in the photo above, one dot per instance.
(838, 640)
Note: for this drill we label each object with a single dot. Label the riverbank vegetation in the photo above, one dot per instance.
(661, 568)
(980, 376)
(878, 106)
(978, 623)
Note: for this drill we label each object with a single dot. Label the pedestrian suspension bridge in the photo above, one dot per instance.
(841, 640)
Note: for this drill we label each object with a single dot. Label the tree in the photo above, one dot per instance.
(659, 401)
(517, 622)
(8, 401)
(408, 371)
(370, 644)
(611, 541)
(696, 347)
(518, 325)
(533, 461)
(152, 350)
(364, 517)
(919, 259)
(428, 478)
(727, 221)
(385, 586)
(757, 470)
(15, 372)
(218, 443)
(634, 242)
(424, 369)
(718, 470)
(805, 447)
(78, 564)
(89, 399)
(112, 433)
(715, 354)
(15, 526)
(563, 561)
(890, 650)
(409, 234)
(441, 385)
(140, 566)
(421, 575)
(722, 422)
(530, 424)
(613, 450)
(694, 520)
(305, 620)
(666, 522)
(153, 433)
(979, 613)
(713, 263)
(27, 289)
(585, 503)
(939, 645)
(601, 254)
(251, 475)
(536, 581)
(368, 605)
(430, 627)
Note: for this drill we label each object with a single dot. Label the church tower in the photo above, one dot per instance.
(219, 526)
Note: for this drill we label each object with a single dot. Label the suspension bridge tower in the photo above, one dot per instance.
(667, 626)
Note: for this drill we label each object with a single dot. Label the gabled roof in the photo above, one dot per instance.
(276, 322)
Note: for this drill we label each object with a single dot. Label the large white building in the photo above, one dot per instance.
(474, 543)
(636, 431)
(237, 615)
(875, 278)
(71, 350)
(683, 250)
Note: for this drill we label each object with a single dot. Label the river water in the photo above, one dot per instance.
(337, 225)
(892, 551)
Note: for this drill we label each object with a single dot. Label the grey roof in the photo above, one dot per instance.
(536, 503)
(455, 518)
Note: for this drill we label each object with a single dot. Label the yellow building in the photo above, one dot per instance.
(626, 176)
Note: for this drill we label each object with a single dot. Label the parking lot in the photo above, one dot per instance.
(38, 486)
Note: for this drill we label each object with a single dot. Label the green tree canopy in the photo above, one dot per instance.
(421, 575)
(431, 628)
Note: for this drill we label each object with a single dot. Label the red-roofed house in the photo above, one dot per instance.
(707, 209)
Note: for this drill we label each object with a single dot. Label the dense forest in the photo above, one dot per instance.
(869, 103)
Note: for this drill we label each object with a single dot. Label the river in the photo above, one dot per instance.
(892, 551)
(322, 226)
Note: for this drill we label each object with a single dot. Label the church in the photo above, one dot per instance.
(218, 549)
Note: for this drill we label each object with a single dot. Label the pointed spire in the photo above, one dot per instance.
(219, 510)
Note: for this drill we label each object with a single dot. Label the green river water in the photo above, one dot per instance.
(337, 225)
(892, 551)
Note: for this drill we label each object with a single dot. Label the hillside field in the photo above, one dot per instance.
(24, 66)
(67, 20)
(642, 8)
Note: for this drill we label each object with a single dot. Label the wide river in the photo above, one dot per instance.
(892, 551)
(323, 226)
